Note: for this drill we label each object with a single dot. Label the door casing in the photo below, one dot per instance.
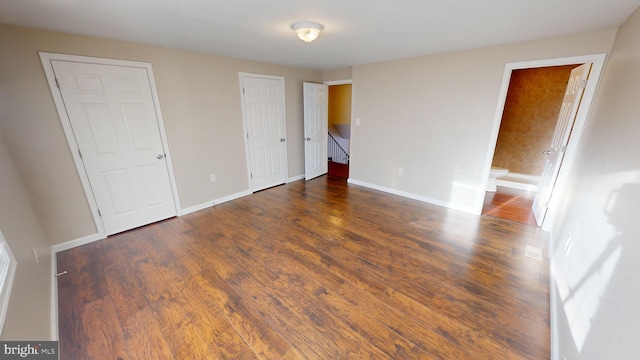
(46, 59)
(598, 61)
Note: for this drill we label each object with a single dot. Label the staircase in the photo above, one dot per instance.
(338, 159)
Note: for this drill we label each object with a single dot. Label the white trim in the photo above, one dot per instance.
(519, 181)
(46, 59)
(77, 242)
(242, 75)
(338, 82)
(54, 296)
(517, 185)
(598, 61)
(8, 275)
(295, 178)
(218, 201)
(553, 294)
(55, 249)
(412, 196)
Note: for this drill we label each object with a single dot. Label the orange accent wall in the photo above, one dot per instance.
(340, 104)
(530, 114)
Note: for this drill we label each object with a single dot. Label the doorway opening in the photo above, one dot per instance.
(534, 99)
(569, 148)
(339, 127)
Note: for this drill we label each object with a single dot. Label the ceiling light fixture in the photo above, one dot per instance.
(307, 31)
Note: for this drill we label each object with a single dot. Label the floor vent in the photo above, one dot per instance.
(533, 252)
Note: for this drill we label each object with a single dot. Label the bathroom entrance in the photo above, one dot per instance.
(535, 95)
(531, 109)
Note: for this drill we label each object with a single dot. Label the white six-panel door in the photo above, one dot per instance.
(112, 113)
(556, 151)
(316, 104)
(263, 101)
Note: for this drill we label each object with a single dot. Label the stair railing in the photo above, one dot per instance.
(335, 152)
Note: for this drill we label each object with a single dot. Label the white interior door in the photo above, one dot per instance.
(316, 105)
(264, 104)
(555, 153)
(112, 113)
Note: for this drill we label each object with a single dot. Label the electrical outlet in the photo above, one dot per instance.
(357, 122)
(35, 254)
(400, 171)
(212, 177)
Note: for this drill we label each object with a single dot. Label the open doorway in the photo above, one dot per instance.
(569, 148)
(533, 103)
(339, 125)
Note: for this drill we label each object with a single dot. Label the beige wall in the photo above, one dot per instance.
(340, 104)
(433, 115)
(29, 311)
(597, 281)
(200, 101)
(529, 119)
(337, 75)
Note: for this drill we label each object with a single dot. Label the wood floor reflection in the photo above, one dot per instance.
(309, 270)
(510, 204)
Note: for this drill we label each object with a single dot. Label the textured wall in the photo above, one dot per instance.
(529, 119)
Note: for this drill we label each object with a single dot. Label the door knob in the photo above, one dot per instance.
(282, 140)
(308, 139)
(160, 156)
(546, 152)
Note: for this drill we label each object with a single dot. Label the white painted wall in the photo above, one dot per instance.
(596, 304)
(200, 101)
(433, 115)
(29, 312)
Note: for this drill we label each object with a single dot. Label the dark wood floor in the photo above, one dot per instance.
(309, 270)
(338, 169)
(510, 204)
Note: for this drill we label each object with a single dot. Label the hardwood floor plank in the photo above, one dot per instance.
(318, 320)
(123, 289)
(104, 335)
(229, 345)
(310, 270)
(73, 339)
(175, 320)
(264, 341)
(144, 339)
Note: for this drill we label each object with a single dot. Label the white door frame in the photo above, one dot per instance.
(598, 61)
(338, 82)
(242, 75)
(46, 59)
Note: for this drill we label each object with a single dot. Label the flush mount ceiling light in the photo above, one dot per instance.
(307, 31)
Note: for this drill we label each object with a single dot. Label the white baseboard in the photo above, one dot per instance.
(55, 249)
(553, 304)
(295, 178)
(75, 243)
(413, 196)
(218, 201)
(95, 237)
(519, 181)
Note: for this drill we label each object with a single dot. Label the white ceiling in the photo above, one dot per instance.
(356, 31)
